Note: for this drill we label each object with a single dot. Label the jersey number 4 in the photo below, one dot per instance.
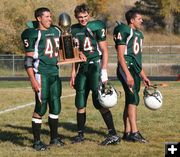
(87, 45)
(51, 50)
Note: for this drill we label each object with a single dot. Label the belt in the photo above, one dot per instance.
(92, 62)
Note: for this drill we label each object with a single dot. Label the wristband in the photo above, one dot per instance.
(104, 76)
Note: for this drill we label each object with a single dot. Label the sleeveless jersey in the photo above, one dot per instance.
(45, 45)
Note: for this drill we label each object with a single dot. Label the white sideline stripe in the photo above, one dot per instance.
(29, 104)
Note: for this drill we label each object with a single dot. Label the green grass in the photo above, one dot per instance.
(12, 84)
(157, 126)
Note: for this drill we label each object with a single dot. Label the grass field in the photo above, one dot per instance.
(158, 126)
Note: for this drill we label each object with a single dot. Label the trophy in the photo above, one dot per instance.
(69, 53)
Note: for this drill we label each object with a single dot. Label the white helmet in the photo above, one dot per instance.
(107, 95)
(152, 98)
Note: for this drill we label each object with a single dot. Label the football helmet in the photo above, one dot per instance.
(107, 95)
(153, 98)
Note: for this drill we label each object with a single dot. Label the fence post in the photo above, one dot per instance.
(13, 65)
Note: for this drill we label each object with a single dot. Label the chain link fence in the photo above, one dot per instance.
(158, 60)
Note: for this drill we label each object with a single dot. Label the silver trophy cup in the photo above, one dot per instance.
(69, 54)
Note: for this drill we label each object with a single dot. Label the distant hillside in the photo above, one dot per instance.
(14, 15)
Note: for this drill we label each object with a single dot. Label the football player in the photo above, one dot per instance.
(90, 38)
(41, 46)
(128, 42)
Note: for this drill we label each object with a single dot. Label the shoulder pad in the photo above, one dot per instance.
(56, 27)
(77, 25)
(96, 25)
(122, 27)
(32, 24)
(28, 32)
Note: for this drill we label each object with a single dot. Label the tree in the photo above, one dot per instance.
(151, 9)
(15, 14)
(171, 12)
(98, 8)
(108, 11)
(160, 14)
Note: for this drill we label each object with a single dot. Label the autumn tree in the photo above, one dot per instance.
(171, 12)
(160, 14)
(108, 11)
(15, 14)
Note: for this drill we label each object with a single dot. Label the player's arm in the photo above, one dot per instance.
(122, 61)
(121, 32)
(74, 71)
(28, 37)
(73, 75)
(82, 56)
(104, 49)
(28, 63)
(101, 34)
(146, 81)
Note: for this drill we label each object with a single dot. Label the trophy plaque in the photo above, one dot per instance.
(68, 53)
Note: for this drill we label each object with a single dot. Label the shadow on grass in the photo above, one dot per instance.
(73, 128)
(88, 130)
(13, 136)
(17, 137)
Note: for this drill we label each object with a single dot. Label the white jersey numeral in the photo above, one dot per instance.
(87, 45)
(76, 42)
(26, 43)
(136, 46)
(119, 37)
(56, 41)
(103, 32)
(50, 49)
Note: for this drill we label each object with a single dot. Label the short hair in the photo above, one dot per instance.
(39, 11)
(130, 14)
(81, 9)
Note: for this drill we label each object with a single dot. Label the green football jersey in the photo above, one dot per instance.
(86, 38)
(125, 35)
(45, 45)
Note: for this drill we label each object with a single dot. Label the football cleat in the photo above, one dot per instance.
(127, 136)
(137, 137)
(111, 139)
(78, 139)
(153, 98)
(39, 146)
(57, 142)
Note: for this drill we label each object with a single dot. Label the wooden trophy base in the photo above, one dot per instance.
(75, 59)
